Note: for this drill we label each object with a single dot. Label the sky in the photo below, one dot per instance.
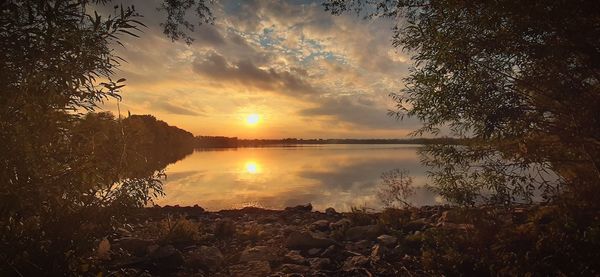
(302, 71)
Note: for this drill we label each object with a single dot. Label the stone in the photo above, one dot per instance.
(341, 224)
(319, 263)
(330, 211)
(304, 241)
(250, 269)
(314, 251)
(370, 232)
(136, 246)
(361, 245)
(103, 251)
(294, 257)
(166, 258)
(417, 225)
(320, 225)
(206, 257)
(331, 251)
(387, 240)
(355, 261)
(455, 226)
(301, 208)
(294, 268)
(260, 253)
(452, 216)
(123, 232)
(378, 251)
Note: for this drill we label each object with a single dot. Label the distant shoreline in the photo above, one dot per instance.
(207, 142)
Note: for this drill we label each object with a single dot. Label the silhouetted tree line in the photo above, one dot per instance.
(232, 142)
(137, 145)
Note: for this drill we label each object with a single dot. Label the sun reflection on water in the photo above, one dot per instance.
(252, 167)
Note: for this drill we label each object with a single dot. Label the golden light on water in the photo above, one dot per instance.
(252, 167)
(252, 119)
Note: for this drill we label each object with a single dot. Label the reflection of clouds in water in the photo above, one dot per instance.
(172, 177)
(327, 176)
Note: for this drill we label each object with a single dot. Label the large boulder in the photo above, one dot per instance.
(367, 232)
(304, 241)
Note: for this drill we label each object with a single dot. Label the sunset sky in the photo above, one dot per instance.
(267, 69)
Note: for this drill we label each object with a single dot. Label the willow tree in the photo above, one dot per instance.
(57, 59)
(519, 79)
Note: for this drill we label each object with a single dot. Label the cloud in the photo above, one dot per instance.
(173, 109)
(247, 73)
(358, 111)
(289, 60)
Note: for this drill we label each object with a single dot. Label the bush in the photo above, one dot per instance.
(178, 230)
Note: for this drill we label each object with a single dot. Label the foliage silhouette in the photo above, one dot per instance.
(68, 178)
(520, 79)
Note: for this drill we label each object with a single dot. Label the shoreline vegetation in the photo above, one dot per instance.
(207, 142)
(297, 241)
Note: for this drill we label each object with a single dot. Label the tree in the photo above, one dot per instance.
(521, 80)
(59, 193)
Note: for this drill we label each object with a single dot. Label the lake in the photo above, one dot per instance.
(338, 176)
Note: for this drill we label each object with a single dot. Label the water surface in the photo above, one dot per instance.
(338, 176)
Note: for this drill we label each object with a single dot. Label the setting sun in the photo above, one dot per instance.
(252, 119)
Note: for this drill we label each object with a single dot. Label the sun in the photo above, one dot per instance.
(252, 119)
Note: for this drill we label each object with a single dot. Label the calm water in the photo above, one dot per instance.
(338, 176)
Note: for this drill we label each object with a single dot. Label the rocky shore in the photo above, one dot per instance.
(297, 241)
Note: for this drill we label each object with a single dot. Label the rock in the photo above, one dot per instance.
(387, 240)
(358, 272)
(378, 251)
(166, 258)
(224, 228)
(300, 208)
(320, 225)
(314, 251)
(250, 269)
(103, 251)
(294, 268)
(341, 224)
(417, 225)
(205, 257)
(361, 245)
(294, 257)
(136, 246)
(260, 253)
(454, 226)
(452, 216)
(370, 232)
(123, 232)
(332, 252)
(319, 263)
(355, 261)
(304, 240)
(330, 211)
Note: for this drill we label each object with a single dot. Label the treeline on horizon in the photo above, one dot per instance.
(144, 143)
(152, 144)
(233, 142)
